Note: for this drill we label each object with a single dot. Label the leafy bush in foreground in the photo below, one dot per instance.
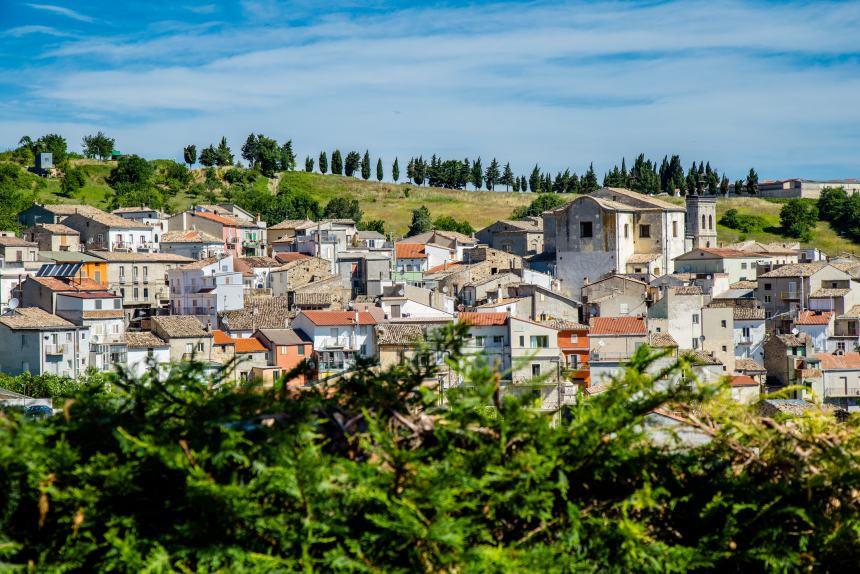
(375, 475)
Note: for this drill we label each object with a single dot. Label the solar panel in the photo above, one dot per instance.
(59, 270)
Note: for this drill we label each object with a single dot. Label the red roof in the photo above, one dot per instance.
(92, 295)
(444, 267)
(410, 251)
(726, 253)
(743, 381)
(72, 284)
(833, 362)
(288, 257)
(814, 318)
(250, 345)
(483, 319)
(221, 338)
(217, 218)
(617, 326)
(324, 318)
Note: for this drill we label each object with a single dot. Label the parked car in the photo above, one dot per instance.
(39, 411)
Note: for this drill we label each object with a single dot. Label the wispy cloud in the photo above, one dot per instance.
(62, 11)
(19, 31)
(203, 9)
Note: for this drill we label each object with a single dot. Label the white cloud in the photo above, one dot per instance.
(20, 31)
(62, 11)
(561, 85)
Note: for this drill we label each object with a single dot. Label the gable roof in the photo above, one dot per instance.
(814, 318)
(748, 365)
(476, 319)
(410, 251)
(288, 257)
(847, 361)
(144, 340)
(743, 381)
(399, 334)
(69, 208)
(338, 318)
(717, 253)
(189, 236)
(110, 220)
(617, 326)
(256, 262)
(180, 326)
(34, 318)
(123, 257)
(13, 241)
(68, 284)
(294, 224)
(285, 337)
(222, 219)
(258, 313)
(662, 340)
(624, 193)
(56, 228)
(796, 270)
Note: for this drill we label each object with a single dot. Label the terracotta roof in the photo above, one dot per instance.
(286, 337)
(294, 224)
(504, 301)
(258, 313)
(483, 319)
(829, 293)
(703, 357)
(102, 314)
(121, 257)
(190, 236)
(446, 267)
(814, 318)
(91, 295)
(34, 318)
(642, 258)
(141, 209)
(769, 407)
(617, 326)
(248, 345)
(853, 312)
(796, 270)
(202, 263)
(255, 263)
(742, 381)
(399, 334)
(180, 326)
(791, 340)
(744, 285)
(809, 373)
(222, 219)
(144, 340)
(748, 313)
(70, 284)
(111, 220)
(604, 191)
(848, 361)
(219, 337)
(564, 325)
(409, 251)
(662, 340)
(748, 365)
(57, 228)
(720, 252)
(12, 241)
(311, 298)
(288, 257)
(325, 318)
(505, 275)
(69, 208)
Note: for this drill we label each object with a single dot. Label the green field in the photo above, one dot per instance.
(393, 203)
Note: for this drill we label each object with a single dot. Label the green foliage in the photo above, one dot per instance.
(492, 175)
(72, 181)
(543, 202)
(421, 221)
(98, 145)
(323, 163)
(286, 204)
(351, 163)
(189, 154)
(343, 208)
(377, 474)
(223, 154)
(309, 164)
(372, 225)
(365, 166)
(336, 163)
(751, 183)
(54, 144)
(448, 223)
(832, 203)
(16, 193)
(477, 175)
(50, 386)
(395, 171)
(798, 218)
(743, 222)
(132, 181)
(209, 157)
(288, 157)
(379, 173)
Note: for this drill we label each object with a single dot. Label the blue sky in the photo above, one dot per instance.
(774, 85)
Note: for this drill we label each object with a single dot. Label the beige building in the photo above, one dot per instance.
(804, 188)
(522, 237)
(54, 237)
(788, 288)
(615, 296)
(186, 336)
(738, 265)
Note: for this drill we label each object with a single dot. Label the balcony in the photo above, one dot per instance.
(790, 296)
(412, 276)
(745, 341)
(842, 392)
(335, 366)
(336, 343)
(55, 350)
(610, 356)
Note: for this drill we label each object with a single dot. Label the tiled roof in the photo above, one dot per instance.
(662, 340)
(409, 251)
(241, 263)
(326, 318)
(181, 326)
(796, 270)
(399, 334)
(258, 313)
(222, 219)
(839, 362)
(785, 406)
(289, 257)
(744, 285)
(829, 293)
(248, 345)
(121, 257)
(70, 284)
(68, 257)
(33, 318)
(219, 337)
(111, 220)
(91, 295)
(363, 235)
(500, 302)
(311, 298)
(12, 241)
(604, 191)
(483, 319)
(792, 340)
(144, 340)
(814, 318)
(530, 225)
(141, 209)
(617, 326)
(564, 325)
(286, 337)
(853, 312)
(688, 290)
(57, 228)
(765, 248)
(70, 208)
(451, 266)
(294, 224)
(190, 236)
(718, 252)
(642, 258)
(341, 221)
(703, 357)
(742, 381)
(507, 275)
(748, 365)
(748, 313)
(102, 314)
(201, 263)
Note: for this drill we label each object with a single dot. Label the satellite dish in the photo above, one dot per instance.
(13, 303)
(794, 331)
(401, 292)
(601, 343)
(445, 289)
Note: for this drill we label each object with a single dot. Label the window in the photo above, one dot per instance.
(574, 338)
(710, 222)
(480, 341)
(644, 231)
(146, 293)
(98, 304)
(522, 341)
(498, 340)
(626, 230)
(833, 285)
(723, 324)
(840, 346)
(585, 229)
(535, 370)
(768, 314)
(695, 343)
(134, 272)
(189, 347)
(743, 265)
(333, 332)
(704, 225)
(674, 229)
(145, 273)
(724, 348)
(283, 350)
(301, 350)
(122, 271)
(767, 299)
(624, 308)
(539, 341)
(200, 346)
(695, 318)
(395, 311)
(745, 332)
(122, 293)
(767, 287)
(136, 293)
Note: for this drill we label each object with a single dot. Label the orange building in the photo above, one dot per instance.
(286, 350)
(91, 267)
(573, 343)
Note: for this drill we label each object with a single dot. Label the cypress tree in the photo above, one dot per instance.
(323, 162)
(395, 171)
(508, 177)
(365, 166)
(477, 174)
(535, 180)
(379, 169)
(516, 184)
(492, 175)
(589, 180)
(336, 162)
(309, 164)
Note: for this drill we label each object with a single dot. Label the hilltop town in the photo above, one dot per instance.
(556, 302)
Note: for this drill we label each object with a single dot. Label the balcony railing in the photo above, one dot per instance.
(613, 356)
(336, 342)
(745, 341)
(842, 392)
(407, 276)
(55, 349)
(790, 296)
(335, 365)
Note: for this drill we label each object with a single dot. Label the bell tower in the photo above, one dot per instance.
(700, 222)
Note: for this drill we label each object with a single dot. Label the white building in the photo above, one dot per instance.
(339, 337)
(145, 351)
(35, 341)
(101, 313)
(205, 288)
(151, 217)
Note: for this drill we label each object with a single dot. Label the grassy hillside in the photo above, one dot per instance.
(394, 203)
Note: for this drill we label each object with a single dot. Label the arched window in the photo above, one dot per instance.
(710, 222)
(703, 222)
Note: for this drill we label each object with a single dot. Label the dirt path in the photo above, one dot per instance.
(275, 182)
